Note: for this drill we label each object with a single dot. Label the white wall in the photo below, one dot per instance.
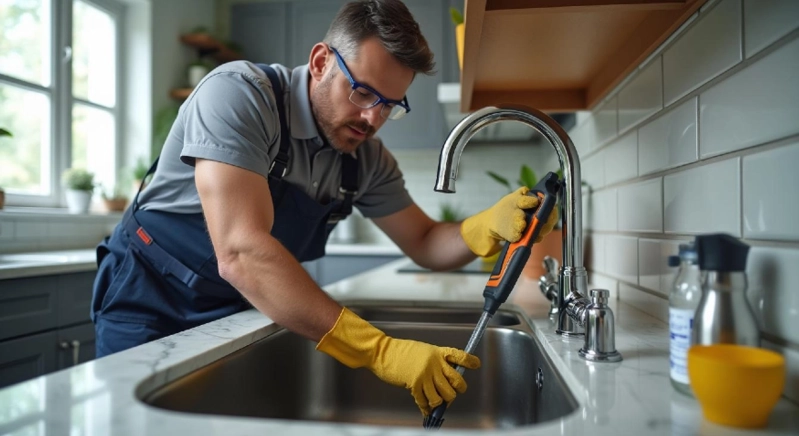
(704, 137)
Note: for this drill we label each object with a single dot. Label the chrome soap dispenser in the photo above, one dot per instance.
(723, 315)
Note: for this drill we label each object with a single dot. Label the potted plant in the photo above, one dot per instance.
(450, 213)
(80, 185)
(196, 71)
(3, 132)
(114, 199)
(552, 244)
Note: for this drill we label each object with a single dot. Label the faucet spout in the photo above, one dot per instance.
(573, 281)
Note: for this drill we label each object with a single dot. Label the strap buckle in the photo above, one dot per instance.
(346, 191)
(285, 168)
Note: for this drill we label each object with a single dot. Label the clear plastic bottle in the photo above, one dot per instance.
(683, 301)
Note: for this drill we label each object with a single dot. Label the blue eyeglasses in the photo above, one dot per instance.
(366, 97)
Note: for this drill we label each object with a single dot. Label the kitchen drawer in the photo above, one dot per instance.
(28, 305)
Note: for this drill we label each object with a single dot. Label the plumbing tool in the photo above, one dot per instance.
(506, 272)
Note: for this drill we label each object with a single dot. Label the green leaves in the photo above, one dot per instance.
(4, 132)
(527, 177)
(456, 16)
(501, 180)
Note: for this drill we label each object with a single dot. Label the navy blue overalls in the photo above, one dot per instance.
(157, 272)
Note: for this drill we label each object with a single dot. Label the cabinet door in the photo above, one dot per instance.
(74, 298)
(27, 305)
(424, 126)
(28, 357)
(78, 341)
(334, 268)
(263, 32)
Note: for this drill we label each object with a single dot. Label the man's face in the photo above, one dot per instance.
(345, 125)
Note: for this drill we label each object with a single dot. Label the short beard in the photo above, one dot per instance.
(324, 111)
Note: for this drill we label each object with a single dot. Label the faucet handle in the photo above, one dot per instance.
(551, 266)
(599, 296)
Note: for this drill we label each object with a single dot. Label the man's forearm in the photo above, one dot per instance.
(444, 248)
(276, 284)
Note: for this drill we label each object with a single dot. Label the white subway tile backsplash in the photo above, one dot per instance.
(641, 97)
(758, 104)
(767, 21)
(710, 47)
(621, 159)
(667, 273)
(31, 228)
(579, 136)
(596, 252)
(622, 257)
(649, 264)
(602, 210)
(599, 281)
(641, 207)
(605, 124)
(771, 194)
(773, 280)
(703, 199)
(6, 230)
(669, 141)
(653, 305)
(791, 390)
(593, 170)
(754, 195)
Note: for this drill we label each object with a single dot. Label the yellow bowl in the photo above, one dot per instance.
(736, 385)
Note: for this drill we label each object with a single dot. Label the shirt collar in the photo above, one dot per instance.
(303, 125)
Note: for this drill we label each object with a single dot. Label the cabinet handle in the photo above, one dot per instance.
(75, 351)
(75, 345)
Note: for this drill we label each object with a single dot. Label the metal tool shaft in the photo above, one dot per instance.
(477, 335)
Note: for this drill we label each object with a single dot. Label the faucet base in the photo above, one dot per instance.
(595, 356)
(570, 334)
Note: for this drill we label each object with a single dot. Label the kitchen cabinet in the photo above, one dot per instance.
(560, 55)
(333, 268)
(44, 325)
(284, 32)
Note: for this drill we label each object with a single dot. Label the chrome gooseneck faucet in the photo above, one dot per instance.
(571, 289)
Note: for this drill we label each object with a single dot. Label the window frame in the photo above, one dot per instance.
(62, 99)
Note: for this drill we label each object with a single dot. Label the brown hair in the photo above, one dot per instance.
(388, 20)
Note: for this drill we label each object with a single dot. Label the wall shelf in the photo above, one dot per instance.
(180, 93)
(560, 55)
(207, 45)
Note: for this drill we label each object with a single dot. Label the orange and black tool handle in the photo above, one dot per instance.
(514, 255)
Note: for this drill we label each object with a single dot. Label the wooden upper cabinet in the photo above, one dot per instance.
(560, 55)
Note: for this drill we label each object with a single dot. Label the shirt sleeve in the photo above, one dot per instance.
(230, 118)
(385, 191)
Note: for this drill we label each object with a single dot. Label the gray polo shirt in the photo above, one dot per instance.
(231, 117)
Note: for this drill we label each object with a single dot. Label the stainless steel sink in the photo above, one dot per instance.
(283, 377)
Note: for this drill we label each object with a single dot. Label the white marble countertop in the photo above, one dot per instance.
(628, 398)
(45, 263)
(19, 265)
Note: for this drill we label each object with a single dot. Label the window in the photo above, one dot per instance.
(59, 95)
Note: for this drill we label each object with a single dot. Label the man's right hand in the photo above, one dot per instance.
(422, 368)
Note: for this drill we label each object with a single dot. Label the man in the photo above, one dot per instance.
(259, 164)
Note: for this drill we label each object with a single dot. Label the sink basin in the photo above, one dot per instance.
(282, 376)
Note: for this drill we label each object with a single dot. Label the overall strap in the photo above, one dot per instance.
(280, 164)
(349, 187)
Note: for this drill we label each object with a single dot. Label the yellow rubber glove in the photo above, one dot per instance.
(422, 368)
(502, 221)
